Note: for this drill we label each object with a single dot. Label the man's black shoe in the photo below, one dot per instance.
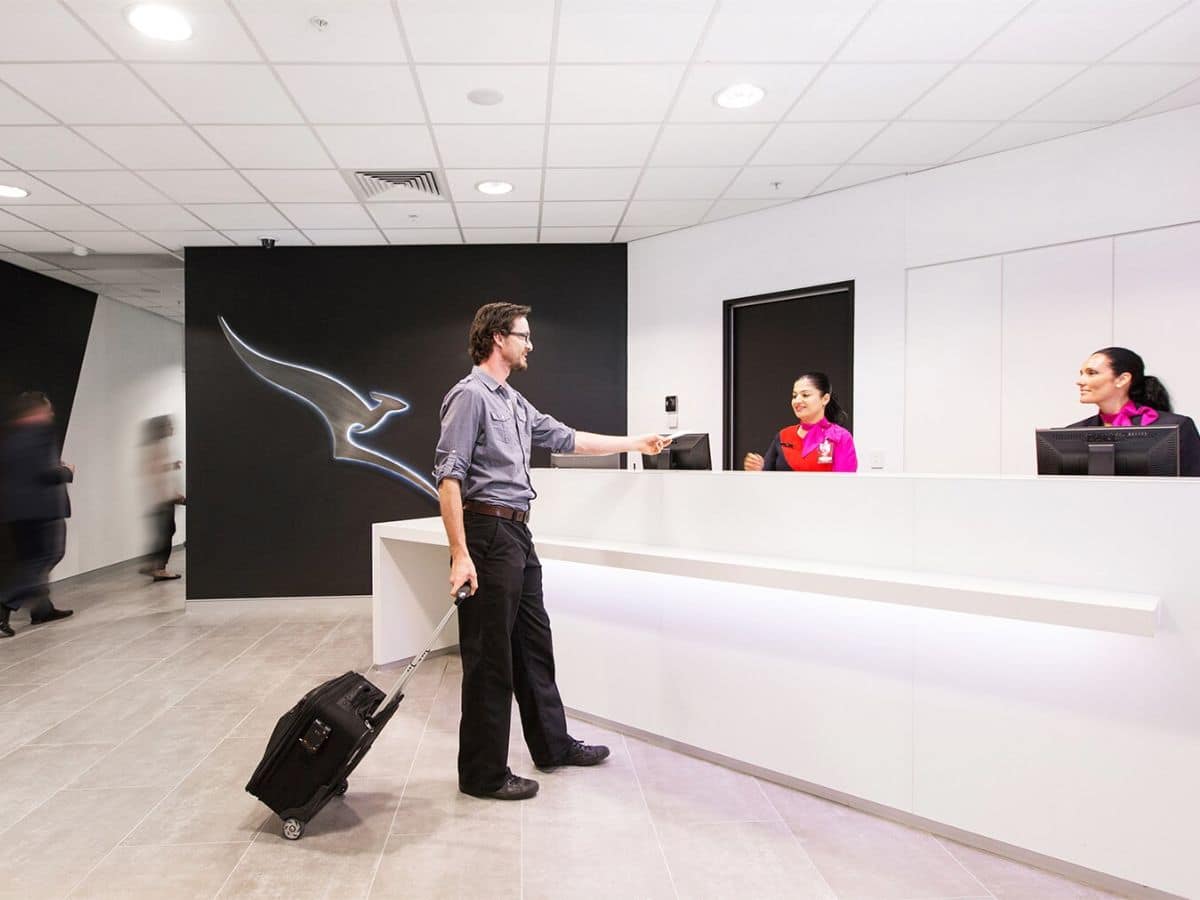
(52, 616)
(5, 628)
(514, 788)
(581, 754)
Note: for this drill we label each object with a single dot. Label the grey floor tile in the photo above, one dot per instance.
(191, 872)
(614, 859)
(463, 861)
(1008, 880)
(119, 714)
(33, 774)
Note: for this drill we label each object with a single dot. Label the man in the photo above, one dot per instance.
(482, 470)
(34, 503)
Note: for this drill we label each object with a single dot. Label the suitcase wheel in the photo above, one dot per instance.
(292, 829)
(341, 789)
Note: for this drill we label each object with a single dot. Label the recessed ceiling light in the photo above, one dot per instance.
(739, 96)
(493, 187)
(79, 251)
(12, 193)
(485, 96)
(163, 23)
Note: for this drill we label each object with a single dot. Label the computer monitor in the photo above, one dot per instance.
(1140, 450)
(687, 451)
(576, 461)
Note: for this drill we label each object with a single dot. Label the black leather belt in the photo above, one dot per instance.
(500, 512)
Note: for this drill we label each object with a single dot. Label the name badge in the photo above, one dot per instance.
(825, 451)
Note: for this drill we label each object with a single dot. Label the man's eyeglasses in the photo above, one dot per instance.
(523, 335)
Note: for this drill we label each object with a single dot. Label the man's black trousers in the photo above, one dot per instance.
(39, 546)
(504, 637)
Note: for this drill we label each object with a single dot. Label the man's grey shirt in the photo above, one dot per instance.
(487, 431)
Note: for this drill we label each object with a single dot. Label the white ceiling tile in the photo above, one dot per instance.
(354, 94)
(10, 222)
(725, 209)
(1185, 96)
(361, 31)
(527, 184)
(103, 187)
(777, 182)
(113, 242)
(423, 235)
(379, 146)
(847, 92)
(497, 215)
(34, 242)
(49, 147)
(666, 212)
(783, 85)
(119, 277)
(630, 30)
(482, 146)
(283, 237)
(1107, 93)
(267, 146)
(227, 216)
(500, 235)
(73, 278)
(628, 93)
(991, 90)
(781, 30)
(1175, 40)
(927, 30)
(583, 213)
(94, 93)
(345, 237)
(847, 176)
(708, 145)
(478, 31)
(601, 235)
(24, 261)
(1073, 30)
(1022, 134)
(220, 94)
(203, 187)
(62, 217)
(590, 184)
(179, 240)
(814, 143)
(625, 234)
(153, 217)
(302, 187)
(684, 183)
(49, 32)
(921, 143)
(523, 87)
(413, 215)
(216, 33)
(153, 146)
(599, 145)
(327, 215)
(40, 193)
(15, 110)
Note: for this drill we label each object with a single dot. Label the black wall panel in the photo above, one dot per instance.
(270, 513)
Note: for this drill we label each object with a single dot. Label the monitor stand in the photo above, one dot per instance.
(1102, 459)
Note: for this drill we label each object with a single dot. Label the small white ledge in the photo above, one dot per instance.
(1101, 610)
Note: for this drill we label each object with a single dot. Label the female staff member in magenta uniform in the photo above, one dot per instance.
(1115, 380)
(816, 444)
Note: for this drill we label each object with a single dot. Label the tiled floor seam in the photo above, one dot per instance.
(650, 816)
(962, 866)
(799, 843)
(404, 788)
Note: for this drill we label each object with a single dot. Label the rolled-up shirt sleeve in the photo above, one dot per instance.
(550, 433)
(462, 413)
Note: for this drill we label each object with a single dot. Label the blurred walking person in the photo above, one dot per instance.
(165, 493)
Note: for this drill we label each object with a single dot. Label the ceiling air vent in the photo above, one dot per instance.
(375, 182)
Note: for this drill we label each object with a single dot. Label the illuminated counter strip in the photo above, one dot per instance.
(897, 642)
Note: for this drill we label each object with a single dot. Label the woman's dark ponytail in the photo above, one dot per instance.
(833, 412)
(1144, 390)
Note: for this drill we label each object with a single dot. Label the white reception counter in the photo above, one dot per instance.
(1015, 658)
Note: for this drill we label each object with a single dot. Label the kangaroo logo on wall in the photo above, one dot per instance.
(346, 412)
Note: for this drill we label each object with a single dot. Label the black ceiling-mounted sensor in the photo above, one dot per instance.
(268, 243)
(672, 403)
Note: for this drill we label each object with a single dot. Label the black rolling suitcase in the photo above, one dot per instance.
(316, 745)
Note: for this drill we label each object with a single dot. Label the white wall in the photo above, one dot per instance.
(979, 289)
(132, 370)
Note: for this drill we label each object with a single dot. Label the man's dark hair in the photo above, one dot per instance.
(26, 403)
(490, 319)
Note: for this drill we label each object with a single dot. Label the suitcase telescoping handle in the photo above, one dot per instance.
(388, 706)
